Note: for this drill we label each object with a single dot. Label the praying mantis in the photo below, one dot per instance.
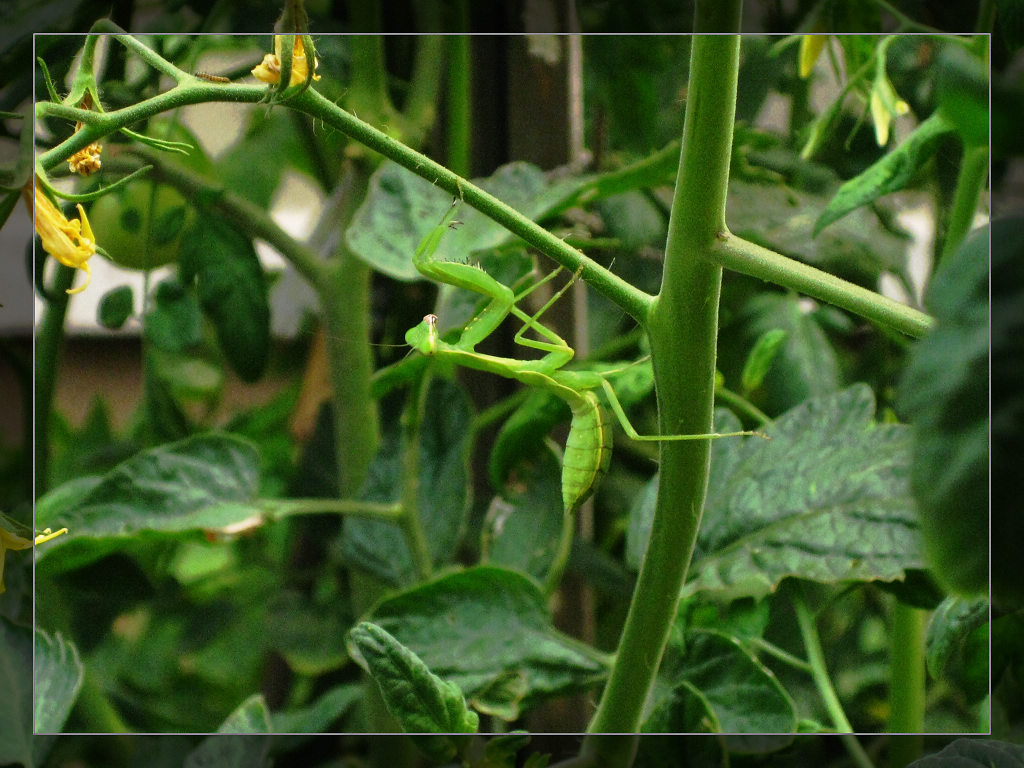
(588, 448)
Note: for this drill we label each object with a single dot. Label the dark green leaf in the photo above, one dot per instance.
(58, 676)
(944, 393)
(207, 481)
(443, 500)
(252, 716)
(418, 699)
(957, 645)
(16, 703)
(962, 87)
(488, 630)
(500, 751)
(523, 434)
(309, 634)
(974, 753)
(714, 685)
(825, 499)
(174, 324)
(232, 292)
(524, 523)
(893, 172)
(116, 307)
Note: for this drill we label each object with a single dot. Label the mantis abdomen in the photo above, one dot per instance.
(588, 450)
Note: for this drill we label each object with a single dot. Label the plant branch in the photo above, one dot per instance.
(748, 258)
(970, 184)
(906, 683)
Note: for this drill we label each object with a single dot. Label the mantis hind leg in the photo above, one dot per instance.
(554, 343)
(630, 430)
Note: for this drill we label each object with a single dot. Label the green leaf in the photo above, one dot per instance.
(974, 753)
(443, 499)
(524, 523)
(401, 208)
(116, 307)
(759, 361)
(944, 393)
(318, 716)
(418, 699)
(16, 703)
(890, 174)
(523, 434)
(962, 88)
(308, 633)
(826, 499)
(488, 631)
(58, 676)
(230, 751)
(232, 292)
(957, 645)
(716, 686)
(206, 481)
(251, 716)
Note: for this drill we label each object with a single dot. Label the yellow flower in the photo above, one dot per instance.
(811, 47)
(13, 541)
(885, 105)
(269, 70)
(69, 242)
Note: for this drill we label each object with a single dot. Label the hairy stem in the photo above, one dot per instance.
(682, 327)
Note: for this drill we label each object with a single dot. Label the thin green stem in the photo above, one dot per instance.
(412, 528)
(748, 258)
(562, 551)
(906, 683)
(459, 112)
(420, 109)
(278, 509)
(970, 184)
(741, 404)
(819, 671)
(682, 327)
(49, 340)
(620, 291)
(782, 655)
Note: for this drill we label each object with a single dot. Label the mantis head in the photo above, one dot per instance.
(423, 337)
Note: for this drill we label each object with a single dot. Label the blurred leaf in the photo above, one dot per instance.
(252, 716)
(230, 751)
(524, 522)
(1010, 21)
(944, 394)
(760, 359)
(500, 752)
(57, 678)
(806, 365)
(825, 499)
(419, 700)
(318, 716)
(174, 323)
(232, 292)
(523, 434)
(974, 753)
(957, 645)
(962, 88)
(116, 307)
(309, 634)
(16, 703)
(443, 500)
(206, 481)
(893, 172)
(713, 685)
(634, 219)
(488, 631)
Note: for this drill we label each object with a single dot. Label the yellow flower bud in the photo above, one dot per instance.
(811, 47)
(269, 70)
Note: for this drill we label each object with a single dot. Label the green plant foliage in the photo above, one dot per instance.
(16, 705)
(230, 751)
(944, 392)
(488, 631)
(232, 290)
(712, 685)
(957, 645)
(890, 174)
(206, 481)
(419, 700)
(116, 307)
(826, 499)
(57, 677)
(444, 493)
(760, 359)
(318, 716)
(974, 753)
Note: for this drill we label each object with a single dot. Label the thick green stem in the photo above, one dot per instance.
(969, 186)
(49, 340)
(683, 329)
(459, 116)
(906, 684)
(412, 528)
